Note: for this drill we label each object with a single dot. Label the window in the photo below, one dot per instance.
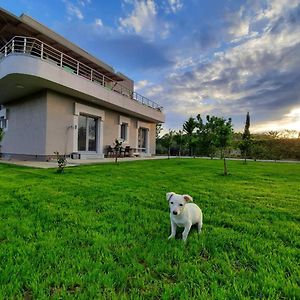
(124, 131)
(3, 123)
(87, 132)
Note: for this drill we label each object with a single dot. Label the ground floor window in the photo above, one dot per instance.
(124, 132)
(3, 123)
(87, 133)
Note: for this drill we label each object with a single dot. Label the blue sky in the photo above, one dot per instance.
(221, 57)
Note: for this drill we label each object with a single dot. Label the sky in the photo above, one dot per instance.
(216, 57)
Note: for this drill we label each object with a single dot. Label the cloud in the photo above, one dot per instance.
(260, 74)
(73, 11)
(84, 2)
(173, 6)
(289, 121)
(141, 84)
(143, 20)
(98, 22)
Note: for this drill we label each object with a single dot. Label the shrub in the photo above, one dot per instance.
(61, 161)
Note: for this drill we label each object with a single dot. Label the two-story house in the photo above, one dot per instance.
(54, 96)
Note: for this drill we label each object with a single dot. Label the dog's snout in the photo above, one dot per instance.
(175, 213)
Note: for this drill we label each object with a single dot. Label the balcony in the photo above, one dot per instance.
(34, 48)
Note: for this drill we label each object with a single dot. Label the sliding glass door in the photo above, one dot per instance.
(142, 139)
(87, 133)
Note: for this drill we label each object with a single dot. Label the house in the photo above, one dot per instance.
(54, 96)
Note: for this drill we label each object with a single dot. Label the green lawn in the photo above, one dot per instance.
(100, 232)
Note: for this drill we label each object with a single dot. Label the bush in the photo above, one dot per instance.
(61, 161)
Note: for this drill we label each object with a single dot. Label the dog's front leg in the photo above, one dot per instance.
(186, 231)
(173, 230)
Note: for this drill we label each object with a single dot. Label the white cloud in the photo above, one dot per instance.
(74, 11)
(84, 2)
(174, 6)
(143, 20)
(289, 121)
(261, 75)
(98, 22)
(141, 84)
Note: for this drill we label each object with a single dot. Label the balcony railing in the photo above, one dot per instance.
(36, 48)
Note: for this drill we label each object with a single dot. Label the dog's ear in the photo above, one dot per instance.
(169, 195)
(187, 198)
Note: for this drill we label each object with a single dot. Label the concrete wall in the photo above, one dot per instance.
(60, 115)
(26, 130)
(45, 123)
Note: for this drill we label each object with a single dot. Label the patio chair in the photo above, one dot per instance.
(109, 151)
(127, 151)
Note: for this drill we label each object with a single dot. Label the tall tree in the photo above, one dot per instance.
(221, 132)
(1, 134)
(245, 145)
(158, 130)
(169, 141)
(189, 128)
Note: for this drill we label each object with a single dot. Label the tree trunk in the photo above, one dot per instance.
(169, 152)
(225, 166)
(116, 157)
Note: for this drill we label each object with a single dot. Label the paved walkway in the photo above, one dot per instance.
(78, 162)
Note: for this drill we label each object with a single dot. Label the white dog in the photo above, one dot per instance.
(183, 214)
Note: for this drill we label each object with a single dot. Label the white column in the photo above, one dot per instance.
(147, 141)
(75, 133)
(100, 149)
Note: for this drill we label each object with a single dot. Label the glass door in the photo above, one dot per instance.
(87, 133)
(142, 139)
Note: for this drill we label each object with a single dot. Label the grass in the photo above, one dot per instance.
(100, 232)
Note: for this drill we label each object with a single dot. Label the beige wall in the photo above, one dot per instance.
(60, 115)
(45, 123)
(26, 131)
(152, 138)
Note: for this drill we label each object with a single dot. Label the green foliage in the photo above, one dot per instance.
(1, 134)
(189, 127)
(168, 141)
(246, 143)
(61, 162)
(220, 134)
(100, 232)
(117, 148)
(159, 129)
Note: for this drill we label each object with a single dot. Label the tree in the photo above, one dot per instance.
(169, 141)
(158, 130)
(245, 145)
(117, 148)
(221, 132)
(179, 141)
(1, 134)
(189, 127)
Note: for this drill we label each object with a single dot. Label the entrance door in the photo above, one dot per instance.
(87, 133)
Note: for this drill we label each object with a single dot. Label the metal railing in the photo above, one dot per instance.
(36, 48)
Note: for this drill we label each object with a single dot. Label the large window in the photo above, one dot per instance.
(124, 131)
(87, 133)
(3, 123)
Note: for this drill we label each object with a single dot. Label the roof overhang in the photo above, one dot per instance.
(11, 25)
